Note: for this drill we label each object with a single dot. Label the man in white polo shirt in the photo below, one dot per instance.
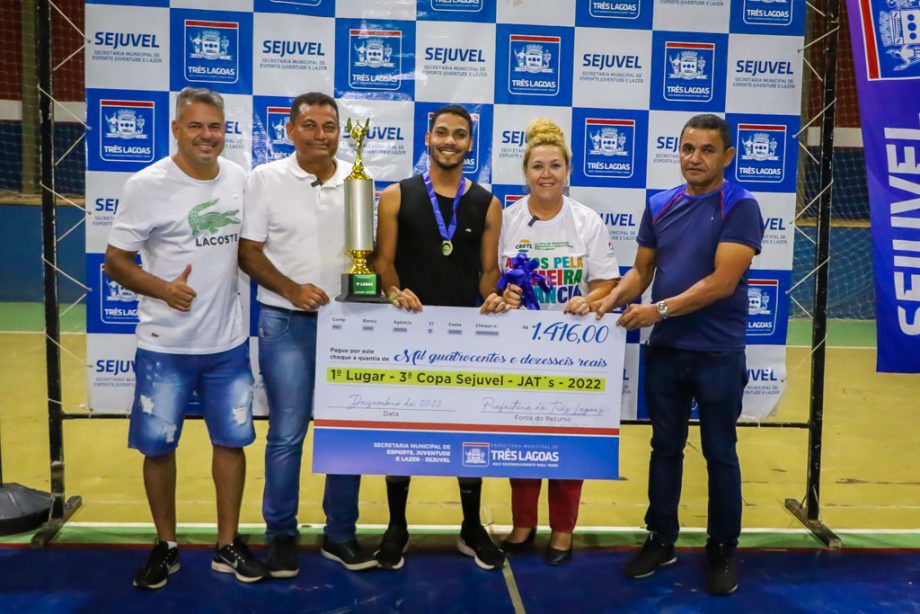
(183, 215)
(293, 245)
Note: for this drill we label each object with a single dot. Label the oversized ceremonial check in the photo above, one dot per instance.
(451, 392)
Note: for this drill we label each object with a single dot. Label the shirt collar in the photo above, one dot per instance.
(722, 188)
(342, 169)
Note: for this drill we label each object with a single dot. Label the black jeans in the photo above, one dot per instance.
(673, 378)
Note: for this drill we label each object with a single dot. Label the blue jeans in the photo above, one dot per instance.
(287, 359)
(673, 378)
(165, 383)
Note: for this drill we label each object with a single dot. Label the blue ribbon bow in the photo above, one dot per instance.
(523, 273)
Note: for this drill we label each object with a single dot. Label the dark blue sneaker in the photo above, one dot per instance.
(655, 553)
(161, 562)
(722, 575)
(282, 557)
(236, 559)
(348, 554)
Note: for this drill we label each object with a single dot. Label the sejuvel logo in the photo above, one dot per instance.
(475, 454)
(106, 205)
(514, 137)
(534, 64)
(114, 366)
(667, 143)
(117, 40)
(767, 12)
(126, 134)
(762, 297)
(118, 305)
(374, 61)
(762, 155)
(212, 51)
(451, 55)
(762, 375)
(688, 71)
(609, 147)
(284, 48)
(619, 220)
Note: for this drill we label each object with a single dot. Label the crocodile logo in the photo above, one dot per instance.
(210, 221)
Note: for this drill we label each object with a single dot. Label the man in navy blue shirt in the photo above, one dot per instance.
(696, 241)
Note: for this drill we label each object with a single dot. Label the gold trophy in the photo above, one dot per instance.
(359, 283)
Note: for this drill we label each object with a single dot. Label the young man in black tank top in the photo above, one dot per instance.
(437, 244)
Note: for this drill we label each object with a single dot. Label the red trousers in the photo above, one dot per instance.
(564, 496)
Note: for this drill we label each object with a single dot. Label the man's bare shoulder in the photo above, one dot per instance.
(390, 198)
(391, 190)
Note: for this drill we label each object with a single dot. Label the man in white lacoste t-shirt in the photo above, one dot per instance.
(183, 215)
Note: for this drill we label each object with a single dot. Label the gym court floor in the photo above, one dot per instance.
(870, 495)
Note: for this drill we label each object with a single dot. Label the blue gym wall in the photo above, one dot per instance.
(21, 253)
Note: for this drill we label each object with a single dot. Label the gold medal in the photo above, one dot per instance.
(447, 248)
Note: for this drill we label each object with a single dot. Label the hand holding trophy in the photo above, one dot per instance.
(359, 283)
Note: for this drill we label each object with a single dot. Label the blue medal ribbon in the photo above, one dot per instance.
(447, 232)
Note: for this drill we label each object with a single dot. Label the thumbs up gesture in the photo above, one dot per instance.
(178, 293)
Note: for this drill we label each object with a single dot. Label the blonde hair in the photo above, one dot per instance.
(542, 131)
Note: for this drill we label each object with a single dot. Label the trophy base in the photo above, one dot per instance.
(357, 288)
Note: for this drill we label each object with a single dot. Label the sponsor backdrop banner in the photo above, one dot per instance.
(620, 78)
(886, 51)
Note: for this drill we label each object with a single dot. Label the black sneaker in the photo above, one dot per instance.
(282, 557)
(722, 576)
(655, 553)
(348, 554)
(393, 546)
(161, 562)
(238, 560)
(475, 542)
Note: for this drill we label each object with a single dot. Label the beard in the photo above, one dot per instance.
(441, 164)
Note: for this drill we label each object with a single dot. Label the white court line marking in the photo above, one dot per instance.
(513, 591)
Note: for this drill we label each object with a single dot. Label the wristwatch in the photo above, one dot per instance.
(662, 308)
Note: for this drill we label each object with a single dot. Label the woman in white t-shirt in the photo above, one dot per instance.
(575, 253)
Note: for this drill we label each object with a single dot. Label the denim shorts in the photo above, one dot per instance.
(165, 386)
